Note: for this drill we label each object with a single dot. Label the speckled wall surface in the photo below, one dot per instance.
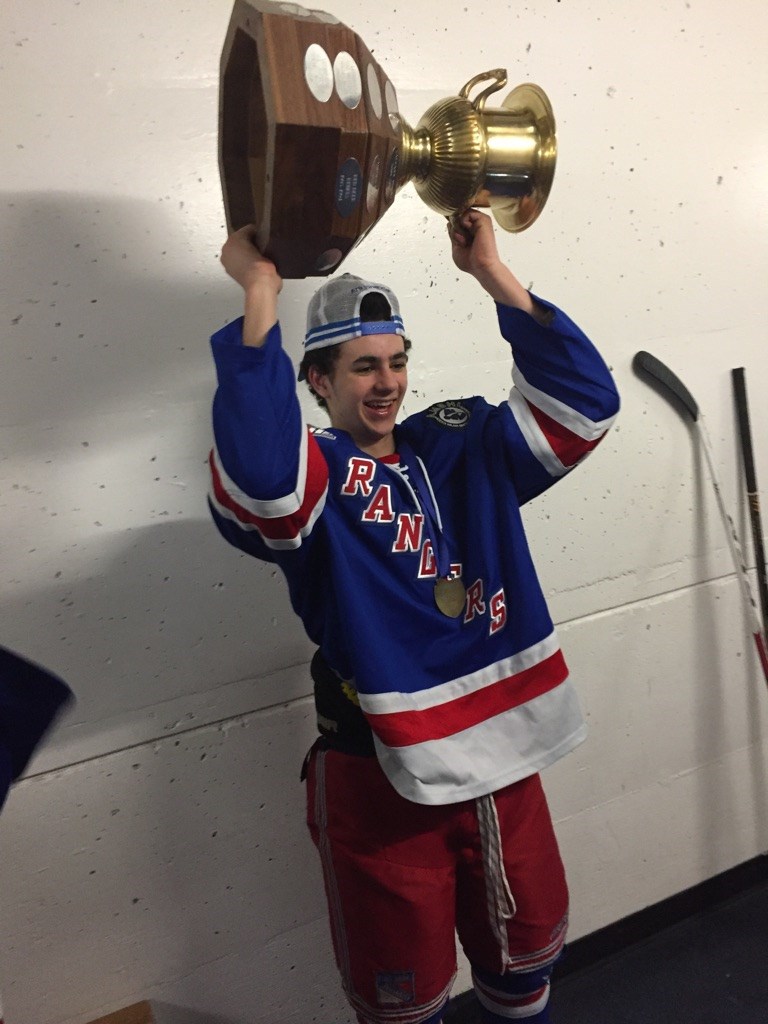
(156, 848)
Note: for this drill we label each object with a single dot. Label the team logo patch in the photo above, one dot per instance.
(395, 988)
(450, 414)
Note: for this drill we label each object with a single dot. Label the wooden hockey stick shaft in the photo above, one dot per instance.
(656, 369)
(739, 380)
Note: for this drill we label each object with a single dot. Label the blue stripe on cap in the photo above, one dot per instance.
(392, 326)
(346, 330)
(332, 334)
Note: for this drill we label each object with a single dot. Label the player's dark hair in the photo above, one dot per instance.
(373, 307)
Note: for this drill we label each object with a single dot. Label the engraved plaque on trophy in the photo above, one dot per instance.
(312, 146)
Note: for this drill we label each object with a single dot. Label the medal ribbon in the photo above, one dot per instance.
(416, 474)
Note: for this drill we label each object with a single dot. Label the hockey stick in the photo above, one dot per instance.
(661, 373)
(739, 380)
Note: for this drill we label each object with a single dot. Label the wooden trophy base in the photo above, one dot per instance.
(309, 135)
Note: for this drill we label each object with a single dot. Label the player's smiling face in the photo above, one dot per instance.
(365, 389)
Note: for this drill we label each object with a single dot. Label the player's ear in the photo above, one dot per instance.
(318, 381)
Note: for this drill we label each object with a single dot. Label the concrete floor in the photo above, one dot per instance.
(710, 968)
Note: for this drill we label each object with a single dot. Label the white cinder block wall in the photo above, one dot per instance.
(156, 848)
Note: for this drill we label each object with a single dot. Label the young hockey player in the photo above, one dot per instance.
(440, 686)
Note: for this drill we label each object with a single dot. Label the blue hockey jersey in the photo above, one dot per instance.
(459, 707)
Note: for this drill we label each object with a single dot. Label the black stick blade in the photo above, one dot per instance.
(645, 362)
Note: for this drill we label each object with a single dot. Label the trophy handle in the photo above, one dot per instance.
(498, 78)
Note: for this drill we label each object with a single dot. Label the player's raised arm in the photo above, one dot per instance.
(564, 398)
(259, 279)
(474, 251)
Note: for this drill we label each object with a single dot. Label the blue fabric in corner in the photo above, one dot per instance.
(31, 697)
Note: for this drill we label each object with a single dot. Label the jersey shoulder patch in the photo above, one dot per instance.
(453, 415)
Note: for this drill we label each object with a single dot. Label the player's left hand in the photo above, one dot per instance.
(473, 242)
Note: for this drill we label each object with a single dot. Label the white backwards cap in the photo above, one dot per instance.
(333, 314)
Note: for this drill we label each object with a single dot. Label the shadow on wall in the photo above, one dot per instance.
(177, 828)
(110, 308)
(192, 855)
(116, 578)
(158, 630)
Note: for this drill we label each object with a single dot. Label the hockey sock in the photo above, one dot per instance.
(513, 996)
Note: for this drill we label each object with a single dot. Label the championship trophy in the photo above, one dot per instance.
(313, 149)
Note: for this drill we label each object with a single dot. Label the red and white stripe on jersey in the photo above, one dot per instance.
(558, 435)
(403, 719)
(281, 522)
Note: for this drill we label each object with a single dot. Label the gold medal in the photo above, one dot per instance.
(450, 596)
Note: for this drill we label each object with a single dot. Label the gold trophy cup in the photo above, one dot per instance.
(313, 149)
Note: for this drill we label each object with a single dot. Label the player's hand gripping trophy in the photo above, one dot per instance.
(313, 149)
